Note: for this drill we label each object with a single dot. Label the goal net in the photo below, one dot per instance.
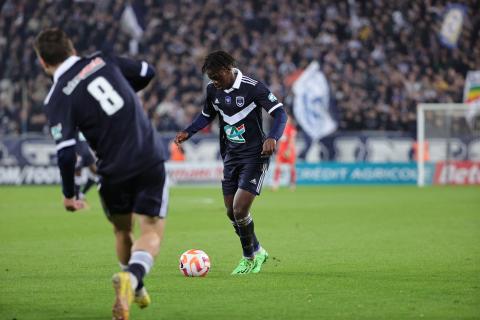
(448, 144)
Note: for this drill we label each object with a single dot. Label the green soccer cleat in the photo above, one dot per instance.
(260, 258)
(142, 298)
(245, 266)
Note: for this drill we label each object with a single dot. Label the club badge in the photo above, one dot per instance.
(240, 101)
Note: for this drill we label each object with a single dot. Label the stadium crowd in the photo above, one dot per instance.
(380, 57)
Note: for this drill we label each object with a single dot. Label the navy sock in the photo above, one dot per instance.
(88, 185)
(139, 272)
(77, 191)
(256, 244)
(247, 235)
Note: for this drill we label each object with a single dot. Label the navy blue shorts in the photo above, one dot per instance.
(246, 176)
(146, 194)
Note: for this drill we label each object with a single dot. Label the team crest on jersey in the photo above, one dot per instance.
(240, 101)
(228, 100)
(56, 131)
(234, 134)
(272, 97)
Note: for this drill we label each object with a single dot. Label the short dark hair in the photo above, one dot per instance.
(217, 60)
(53, 46)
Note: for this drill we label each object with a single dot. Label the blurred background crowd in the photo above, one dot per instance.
(381, 57)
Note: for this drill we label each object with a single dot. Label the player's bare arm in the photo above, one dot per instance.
(72, 204)
(181, 137)
(269, 147)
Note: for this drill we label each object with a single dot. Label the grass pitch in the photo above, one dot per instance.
(336, 253)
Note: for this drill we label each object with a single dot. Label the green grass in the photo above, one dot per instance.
(338, 253)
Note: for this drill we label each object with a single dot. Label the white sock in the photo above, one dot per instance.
(123, 267)
(133, 281)
(142, 257)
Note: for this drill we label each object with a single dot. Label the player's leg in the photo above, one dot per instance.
(150, 207)
(228, 200)
(117, 201)
(241, 209)
(276, 174)
(122, 229)
(250, 183)
(293, 176)
(136, 260)
(144, 252)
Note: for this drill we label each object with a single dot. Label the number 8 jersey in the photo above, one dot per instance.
(97, 96)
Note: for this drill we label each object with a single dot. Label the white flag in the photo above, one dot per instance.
(452, 24)
(131, 26)
(312, 101)
(471, 95)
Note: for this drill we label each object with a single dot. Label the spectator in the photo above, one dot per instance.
(381, 58)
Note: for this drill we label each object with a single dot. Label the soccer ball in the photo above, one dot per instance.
(194, 263)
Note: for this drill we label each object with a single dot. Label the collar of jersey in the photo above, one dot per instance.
(238, 80)
(67, 64)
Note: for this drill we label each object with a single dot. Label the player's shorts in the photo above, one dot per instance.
(146, 194)
(246, 176)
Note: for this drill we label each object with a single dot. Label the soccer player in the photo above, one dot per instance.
(245, 149)
(96, 95)
(286, 154)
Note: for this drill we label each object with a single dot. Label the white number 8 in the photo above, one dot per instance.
(103, 92)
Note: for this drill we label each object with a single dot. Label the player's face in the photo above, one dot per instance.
(222, 78)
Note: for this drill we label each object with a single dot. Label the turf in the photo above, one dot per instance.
(336, 253)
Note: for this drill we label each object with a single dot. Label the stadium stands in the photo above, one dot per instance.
(380, 57)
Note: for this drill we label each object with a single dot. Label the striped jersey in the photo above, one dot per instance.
(240, 111)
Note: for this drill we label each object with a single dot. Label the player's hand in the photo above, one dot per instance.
(72, 204)
(269, 147)
(180, 137)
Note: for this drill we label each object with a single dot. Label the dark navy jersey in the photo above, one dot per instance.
(96, 95)
(240, 112)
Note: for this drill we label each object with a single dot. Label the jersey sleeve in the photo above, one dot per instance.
(266, 99)
(64, 132)
(138, 73)
(209, 110)
(62, 125)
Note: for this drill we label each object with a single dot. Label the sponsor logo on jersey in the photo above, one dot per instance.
(90, 68)
(272, 97)
(56, 131)
(234, 134)
(240, 101)
(228, 100)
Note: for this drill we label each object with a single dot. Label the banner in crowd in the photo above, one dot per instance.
(471, 94)
(312, 102)
(452, 25)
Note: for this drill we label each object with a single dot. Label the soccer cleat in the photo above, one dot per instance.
(123, 296)
(142, 298)
(245, 266)
(260, 258)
